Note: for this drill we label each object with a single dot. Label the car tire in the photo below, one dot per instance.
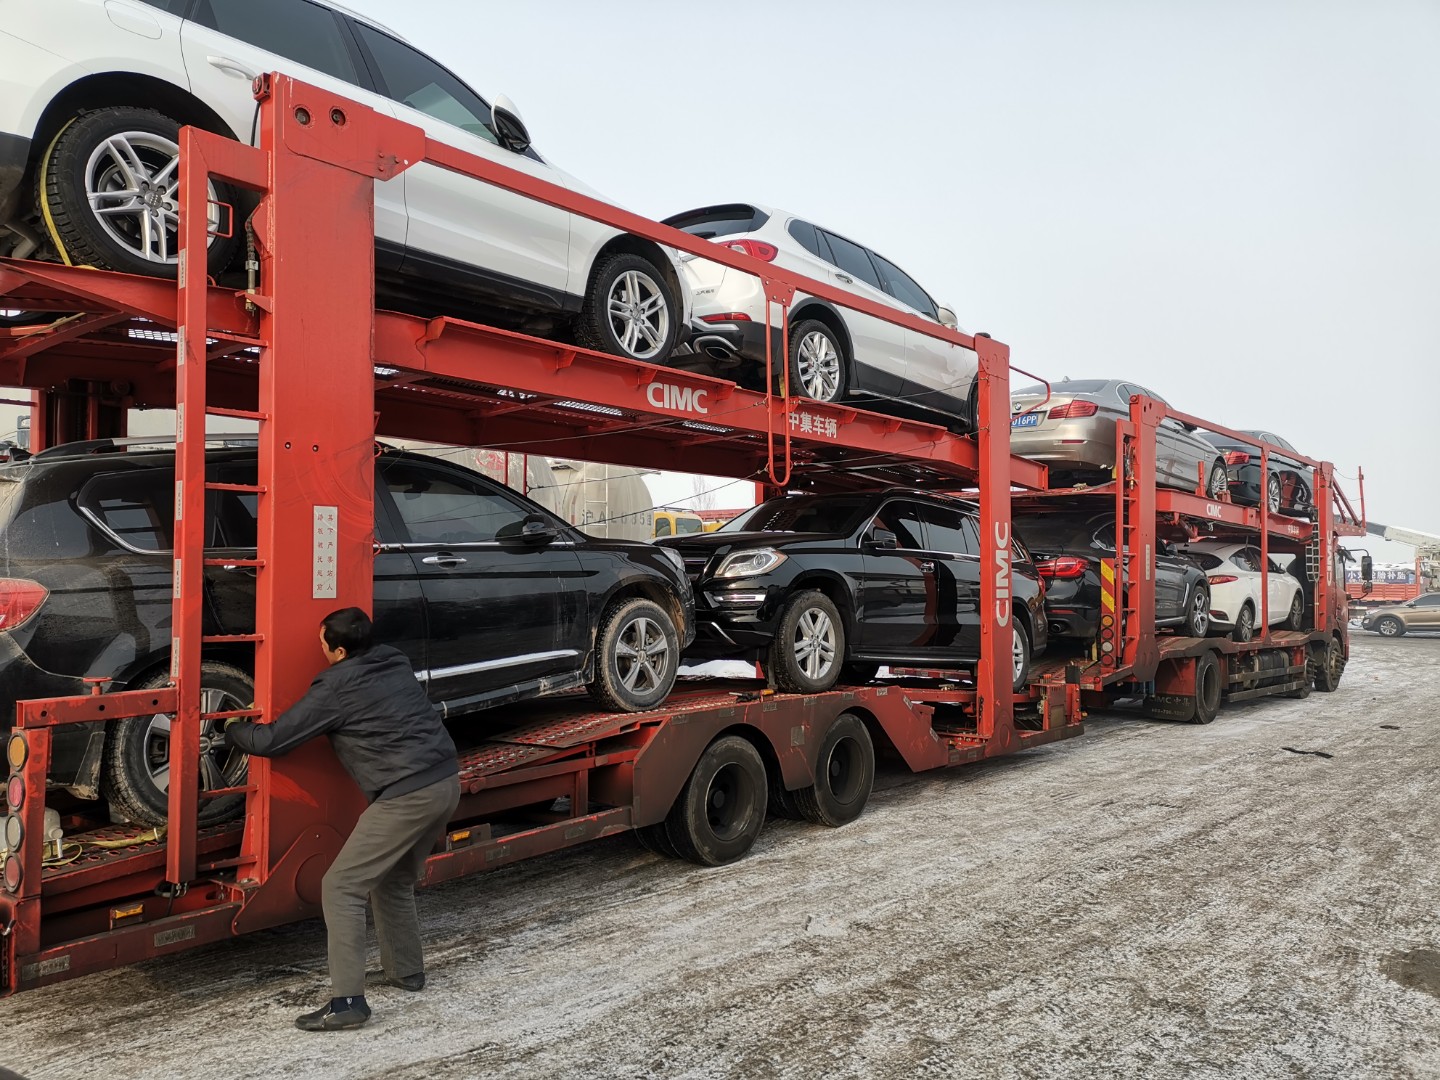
(844, 774)
(1295, 620)
(1019, 656)
(141, 236)
(637, 655)
(1273, 494)
(629, 310)
(1389, 626)
(1327, 666)
(818, 365)
(1197, 613)
(1207, 689)
(1244, 623)
(809, 641)
(1218, 482)
(721, 809)
(135, 774)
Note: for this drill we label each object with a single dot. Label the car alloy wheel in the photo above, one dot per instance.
(818, 365)
(220, 766)
(1198, 623)
(639, 314)
(1019, 657)
(814, 644)
(643, 657)
(1244, 624)
(1272, 493)
(1390, 626)
(132, 183)
(1219, 482)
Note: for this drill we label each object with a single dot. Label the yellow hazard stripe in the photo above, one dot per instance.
(1107, 585)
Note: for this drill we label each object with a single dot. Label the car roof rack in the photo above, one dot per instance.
(92, 447)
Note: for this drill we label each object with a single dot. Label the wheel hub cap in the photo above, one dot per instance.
(132, 183)
(639, 316)
(815, 643)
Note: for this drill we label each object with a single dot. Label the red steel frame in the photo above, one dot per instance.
(324, 373)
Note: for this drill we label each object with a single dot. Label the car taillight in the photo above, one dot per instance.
(1072, 409)
(19, 599)
(1222, 579)
(1236, 457)
(1067, 566)
(756, 249)
(726, 316)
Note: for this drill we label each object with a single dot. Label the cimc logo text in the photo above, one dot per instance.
(1002, 573)
(679, 398)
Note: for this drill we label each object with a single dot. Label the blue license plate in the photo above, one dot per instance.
(1025, 420)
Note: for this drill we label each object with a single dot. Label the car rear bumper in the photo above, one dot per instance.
(1079, 444)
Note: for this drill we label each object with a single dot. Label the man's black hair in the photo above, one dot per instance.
(349, 628)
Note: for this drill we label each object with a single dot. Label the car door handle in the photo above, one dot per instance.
(927, 566)
(443, 560)
(845, 278)
(231, 67)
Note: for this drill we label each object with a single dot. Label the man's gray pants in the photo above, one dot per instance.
(383, 860)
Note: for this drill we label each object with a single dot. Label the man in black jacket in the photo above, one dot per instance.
(388, 737)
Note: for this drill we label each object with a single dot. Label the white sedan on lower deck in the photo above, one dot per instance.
(1236, 587)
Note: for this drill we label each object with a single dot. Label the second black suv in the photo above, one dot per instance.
(820, 586)
(493, 599)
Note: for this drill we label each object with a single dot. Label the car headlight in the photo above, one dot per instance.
(742, 564)
(676, 558)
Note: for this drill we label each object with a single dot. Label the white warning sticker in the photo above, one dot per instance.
(327, 522)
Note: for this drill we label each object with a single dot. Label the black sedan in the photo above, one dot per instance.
(1068, 548)
(1289, 488)
(819, 586)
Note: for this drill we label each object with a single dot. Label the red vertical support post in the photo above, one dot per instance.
(1264, 543)
(316, 234)
(994, 677)
(188, 601)
(1140, 648)
(1324, 542)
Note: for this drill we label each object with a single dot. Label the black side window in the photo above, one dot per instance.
(439, 508)
(295, 29)
(904, 288)
(810, 239)
(174, 7)
(413, 79)
(950, 531)
(1105, 536)
(662, 526)
(853, 259)
(137, 507)
(902, 519)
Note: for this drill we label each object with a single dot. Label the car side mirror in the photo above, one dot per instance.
(509, 128)
(883, 539)
(537, 530)
(947, 318)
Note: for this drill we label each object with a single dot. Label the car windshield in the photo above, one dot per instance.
(802, 513)
(1069, 386)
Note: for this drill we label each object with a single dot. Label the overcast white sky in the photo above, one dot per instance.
(1235, 203)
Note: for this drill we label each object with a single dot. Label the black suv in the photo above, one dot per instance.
(819, 586)
(1068, 550)
(492, 598)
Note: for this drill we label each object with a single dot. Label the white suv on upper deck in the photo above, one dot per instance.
(93, 92)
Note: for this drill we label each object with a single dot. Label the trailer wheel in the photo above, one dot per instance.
(653, 838)
(136, 777)
(809, 641)
(636, 657)
(1207, 689)
(844, 774)
(1244, 623)
(1328, 667)
(721, 808)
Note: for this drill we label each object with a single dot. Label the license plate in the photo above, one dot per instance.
(1025, 420)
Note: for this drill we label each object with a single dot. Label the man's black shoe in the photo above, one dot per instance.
(326, 1019)
(407, 982)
